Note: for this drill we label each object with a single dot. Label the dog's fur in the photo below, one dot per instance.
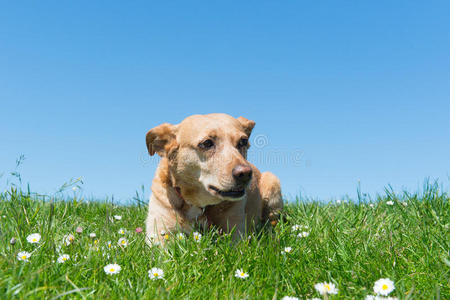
(192, 180)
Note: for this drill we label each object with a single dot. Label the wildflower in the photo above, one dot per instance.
(92, 235)
(138, 230)
(404, 203)
(297, 227)
(390, 202)
(303, 234)
(109, 245)
(287, 250)
(289, 298)
(383, 286)
(326, 288)
(74, 189)
(12, 241)
(180, 236)
(34, 238)
(79, 229)
(112, 269)
(165, 235)
(123, 242)
(118, 217)
(121, 231)
(197, 236)
(240, 274)
(156, 273)
(372, 205)
(68, 239)
(23, 255)
(63, 258)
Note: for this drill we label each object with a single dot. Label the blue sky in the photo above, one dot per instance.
(340, 91)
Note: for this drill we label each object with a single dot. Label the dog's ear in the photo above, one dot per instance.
(161, 139)
(247, 125)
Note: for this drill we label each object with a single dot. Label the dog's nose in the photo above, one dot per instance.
(242, 173)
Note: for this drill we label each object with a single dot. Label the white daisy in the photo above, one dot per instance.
(372, 205)
(390, 202)
(121, 231)
(109, 244)
(68, 239)
(112, 269)
(297, 227)
(92, 235)
(197, 236)
(240, 274)
(383, 286)
(34, 238)
(180, 236)
(63, 258)
(118, 217)
(123, 242)
(23, 255)
(289, 298)
(287, 250)
(303, 234)
(156, 273)
(326, 288)
(404, 203)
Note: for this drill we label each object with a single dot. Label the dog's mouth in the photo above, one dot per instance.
(233, 193)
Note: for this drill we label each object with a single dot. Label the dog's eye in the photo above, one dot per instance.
(207, 144)
(243, 143)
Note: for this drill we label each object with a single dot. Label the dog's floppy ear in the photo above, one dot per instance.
(247, 125)
(161, 139)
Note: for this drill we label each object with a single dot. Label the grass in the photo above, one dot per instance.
(350, 244)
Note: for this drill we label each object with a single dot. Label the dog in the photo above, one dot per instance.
(204, 178)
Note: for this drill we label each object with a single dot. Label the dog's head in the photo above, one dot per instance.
(206, 155)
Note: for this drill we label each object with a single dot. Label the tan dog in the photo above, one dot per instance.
(204, 177)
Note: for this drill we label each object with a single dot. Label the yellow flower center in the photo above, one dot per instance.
(24, 257)
(384, 287)
(166, 236)
(155, 274)
(242, 274)
(96, 241)
(34, 240)
(112, 270)
(123, 242)
(327, 287)
(64, 258)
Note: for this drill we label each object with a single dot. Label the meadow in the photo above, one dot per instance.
(351, 244)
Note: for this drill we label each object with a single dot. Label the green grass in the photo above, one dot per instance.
(351, 245)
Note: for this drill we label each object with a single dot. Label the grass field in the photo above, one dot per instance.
(349, 244)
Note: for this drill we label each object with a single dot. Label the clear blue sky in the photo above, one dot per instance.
(361, 89)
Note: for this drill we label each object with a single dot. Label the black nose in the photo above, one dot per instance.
(242, 173)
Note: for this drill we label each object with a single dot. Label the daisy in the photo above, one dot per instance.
(390, 202)
(121, 231)
(372, 205)
(404, 203)
(156, 273)
(23, 255)
(240, 274)
(123, 242)
(118, 217)
(68, 239)
(180, 236)
(383, 286)
(34, 238)
(165, 235)
(289, 298)
(109, 245)
(303, 234)
(197, 236)
(287, 250)
(326, 288)
(63, 258)
(112, 269)
(297, 227)
(92, 235)
(79, 229)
